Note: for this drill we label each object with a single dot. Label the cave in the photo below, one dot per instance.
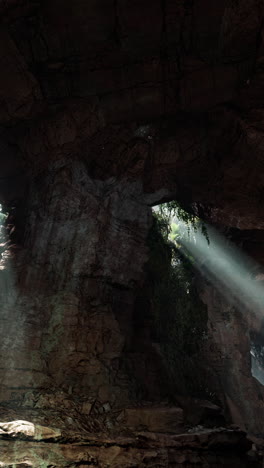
(108, 109)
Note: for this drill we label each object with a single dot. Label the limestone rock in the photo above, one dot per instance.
(86, 407)
(108, 108)
(217, 448)
(21, 429)
(17, 428)
(154, 419)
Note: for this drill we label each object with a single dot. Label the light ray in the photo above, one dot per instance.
(228, 268)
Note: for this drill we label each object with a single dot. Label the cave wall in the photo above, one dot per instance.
(108, 108)
(229, 360)
(67, 294)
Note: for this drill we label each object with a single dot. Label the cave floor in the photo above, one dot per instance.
(24, 444)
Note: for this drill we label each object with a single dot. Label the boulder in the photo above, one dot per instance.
(24, 429)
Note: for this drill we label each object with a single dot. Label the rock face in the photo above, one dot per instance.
(230, 359)
(154, 419)
(108, 108)
(26, 429)
(65, 320)
(145, 450)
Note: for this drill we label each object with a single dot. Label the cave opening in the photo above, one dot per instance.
(169, 305)
(214, 257)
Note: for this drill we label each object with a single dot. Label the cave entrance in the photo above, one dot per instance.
(169, 309)
(197, 248)
(217, 258)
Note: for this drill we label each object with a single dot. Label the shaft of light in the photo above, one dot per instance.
(230, 270)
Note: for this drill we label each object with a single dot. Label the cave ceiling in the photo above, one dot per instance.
(170, 93)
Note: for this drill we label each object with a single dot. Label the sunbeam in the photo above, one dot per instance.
(228, 268)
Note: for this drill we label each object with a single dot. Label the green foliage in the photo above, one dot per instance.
(175, 233)
(168, 211)
(178, 316)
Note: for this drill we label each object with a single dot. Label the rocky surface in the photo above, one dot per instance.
(154, 419)
(25, 429)
(175, 99)
(229, 347)
(108, 108)
(67, 317)
(39, 447)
